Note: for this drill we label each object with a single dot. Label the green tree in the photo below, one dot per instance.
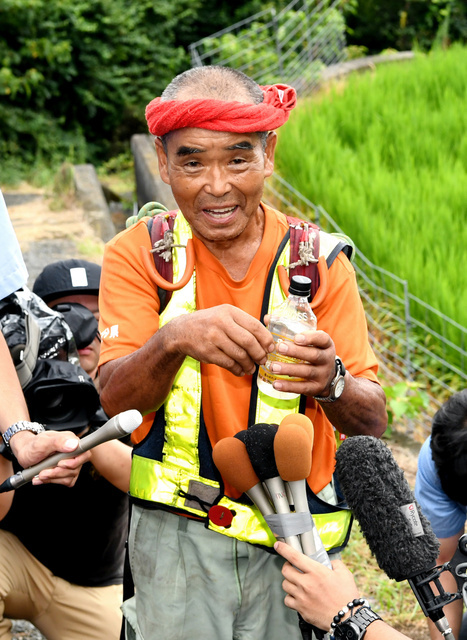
(75, 75)
(403, 24)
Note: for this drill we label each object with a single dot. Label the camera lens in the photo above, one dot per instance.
(57, 406)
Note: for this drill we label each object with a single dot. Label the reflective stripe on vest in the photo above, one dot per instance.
(172, 481)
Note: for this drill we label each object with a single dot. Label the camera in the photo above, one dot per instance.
(44, 344)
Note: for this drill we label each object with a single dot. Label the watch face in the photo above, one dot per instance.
(346, 632)
(339, 388)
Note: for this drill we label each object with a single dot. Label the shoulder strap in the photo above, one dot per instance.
(160, 228)
(304, 251)
(26, 366)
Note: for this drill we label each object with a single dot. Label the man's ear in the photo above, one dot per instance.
(163, 161)
(269, 153)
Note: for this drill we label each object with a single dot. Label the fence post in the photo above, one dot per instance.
(275, 26)
(408, 348)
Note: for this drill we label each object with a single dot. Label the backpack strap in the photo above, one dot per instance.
(160, 228)
(25, 368)
(304, 251)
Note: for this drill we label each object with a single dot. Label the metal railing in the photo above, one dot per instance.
(407, 348)
(292, 46)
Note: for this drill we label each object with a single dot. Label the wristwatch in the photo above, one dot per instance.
(354, 628)
(22, 425)
(337, 385)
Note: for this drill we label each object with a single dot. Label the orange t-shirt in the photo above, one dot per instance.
(129, 303)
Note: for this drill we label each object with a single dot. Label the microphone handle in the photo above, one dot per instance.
(279, 498)
(431, 604)
(298, 489)
(112, 429)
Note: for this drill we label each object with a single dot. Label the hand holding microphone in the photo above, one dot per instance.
(117, 427)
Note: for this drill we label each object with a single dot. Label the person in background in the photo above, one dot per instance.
(77, 282)
(28, 443)
(66, 575)
(197, 550)
(441, 490)
(319, 594)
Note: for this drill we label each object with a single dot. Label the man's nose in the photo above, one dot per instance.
(218, 182)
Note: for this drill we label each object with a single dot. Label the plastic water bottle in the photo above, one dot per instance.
(293, 316)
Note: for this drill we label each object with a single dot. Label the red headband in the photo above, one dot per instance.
(220, 115)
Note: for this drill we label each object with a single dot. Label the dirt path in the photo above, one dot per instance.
(45, 234)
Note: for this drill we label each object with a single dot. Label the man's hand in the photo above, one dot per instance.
(360, 410)
(223, 335)
(317, 350)
(31, 449)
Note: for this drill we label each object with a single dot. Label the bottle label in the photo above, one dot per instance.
(269, 376)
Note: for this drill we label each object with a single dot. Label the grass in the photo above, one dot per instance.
(393, 601)
(385, 154)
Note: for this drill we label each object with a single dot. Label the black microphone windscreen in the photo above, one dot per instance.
(259, 442)
(376, 490)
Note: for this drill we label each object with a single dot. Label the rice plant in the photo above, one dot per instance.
(385, 153)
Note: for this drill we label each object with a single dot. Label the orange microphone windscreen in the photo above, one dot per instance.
(231, 458)
(292, 451)
(303, 421)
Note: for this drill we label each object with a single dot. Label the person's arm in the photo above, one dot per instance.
(453, 611)
(222, 335)
(317, 593)
(29, 448)
(113, 461)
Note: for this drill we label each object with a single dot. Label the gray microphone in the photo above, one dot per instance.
(120, 425)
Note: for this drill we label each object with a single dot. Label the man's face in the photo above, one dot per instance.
(217, 179)
(89, 355)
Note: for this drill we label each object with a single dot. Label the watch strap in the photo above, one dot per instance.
(355, 627)
(340, 373)
(21, 425)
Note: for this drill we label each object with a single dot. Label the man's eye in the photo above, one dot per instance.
(192, 164)
(238, 161)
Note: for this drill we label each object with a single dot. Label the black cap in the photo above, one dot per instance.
(67, 277)
(300, 286)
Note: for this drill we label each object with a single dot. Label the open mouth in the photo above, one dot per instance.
(221, 212)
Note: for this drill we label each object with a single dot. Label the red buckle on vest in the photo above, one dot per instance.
(221, 516)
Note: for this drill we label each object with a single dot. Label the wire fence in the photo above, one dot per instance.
(407, 348)
(298, 46)
(292, 46)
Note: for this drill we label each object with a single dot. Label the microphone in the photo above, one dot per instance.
(292, 452)
(231, 458)
(302, 420)
(120, 425)
(397, 532)
(259, 441)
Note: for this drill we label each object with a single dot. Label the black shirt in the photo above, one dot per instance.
(78, 532)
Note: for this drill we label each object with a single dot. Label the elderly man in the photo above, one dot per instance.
(200, 553)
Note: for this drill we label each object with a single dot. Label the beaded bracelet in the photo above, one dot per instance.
(357, 602)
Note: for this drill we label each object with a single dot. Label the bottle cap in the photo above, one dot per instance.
(300, 286)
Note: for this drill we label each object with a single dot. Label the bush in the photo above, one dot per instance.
(76, 74)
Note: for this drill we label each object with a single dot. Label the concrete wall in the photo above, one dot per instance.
(149, 186)
(91, 196)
